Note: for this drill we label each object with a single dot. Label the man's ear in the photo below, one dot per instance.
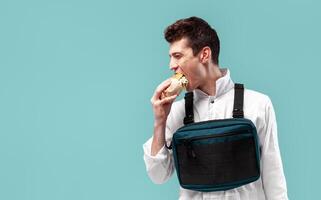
(205, 55)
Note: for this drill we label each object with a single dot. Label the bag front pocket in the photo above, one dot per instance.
(217, 159)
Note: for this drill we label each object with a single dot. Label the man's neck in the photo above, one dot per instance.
(209, 85)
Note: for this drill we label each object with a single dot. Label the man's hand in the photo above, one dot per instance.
(161, 107)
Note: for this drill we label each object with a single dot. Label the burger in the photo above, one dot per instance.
(178, 83)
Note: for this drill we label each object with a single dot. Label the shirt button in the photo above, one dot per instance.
(212, 101)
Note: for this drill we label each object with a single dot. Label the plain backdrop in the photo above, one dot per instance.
(76, 78)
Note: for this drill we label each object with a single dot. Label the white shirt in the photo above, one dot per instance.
(259, 109)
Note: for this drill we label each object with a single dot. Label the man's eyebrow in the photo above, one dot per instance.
(175, 53)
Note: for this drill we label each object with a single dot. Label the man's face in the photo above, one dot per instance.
(183, 61)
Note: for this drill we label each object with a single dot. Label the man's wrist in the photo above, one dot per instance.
(159, 124)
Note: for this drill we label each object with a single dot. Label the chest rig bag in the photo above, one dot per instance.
(216, 155)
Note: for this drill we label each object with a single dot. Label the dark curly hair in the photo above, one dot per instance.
(198, 33)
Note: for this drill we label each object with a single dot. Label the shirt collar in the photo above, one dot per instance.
(223, 85)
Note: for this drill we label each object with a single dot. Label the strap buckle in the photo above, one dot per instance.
(188, 119)
(238, 113)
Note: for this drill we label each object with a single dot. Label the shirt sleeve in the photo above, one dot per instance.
(159, 167)
(273, 178)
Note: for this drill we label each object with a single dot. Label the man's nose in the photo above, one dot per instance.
(173, 66)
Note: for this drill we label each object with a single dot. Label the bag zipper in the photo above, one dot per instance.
(188, 126)
(214, 120)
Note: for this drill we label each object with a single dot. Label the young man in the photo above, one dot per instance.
(194, 51)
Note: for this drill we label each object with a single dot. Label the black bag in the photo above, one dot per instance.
(216, 155)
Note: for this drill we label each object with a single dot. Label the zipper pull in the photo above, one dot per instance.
(190, 151)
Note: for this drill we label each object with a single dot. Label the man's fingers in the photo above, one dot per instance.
(158, 92)
(168, 99)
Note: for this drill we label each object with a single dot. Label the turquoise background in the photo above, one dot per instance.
(76, 78)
